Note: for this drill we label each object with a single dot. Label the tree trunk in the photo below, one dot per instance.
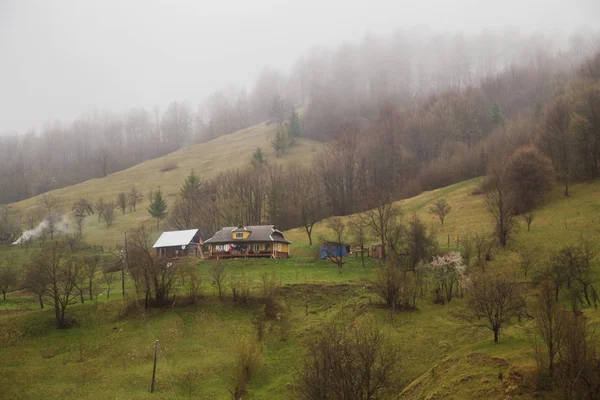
(57, 313)
(496, 334)
(309, 233)
(41, 301)
(362, 256)
(91, 291)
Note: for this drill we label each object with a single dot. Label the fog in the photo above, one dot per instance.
(64, 58)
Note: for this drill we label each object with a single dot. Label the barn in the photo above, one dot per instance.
(179, 244)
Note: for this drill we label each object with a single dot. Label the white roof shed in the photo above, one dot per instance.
(175, 238)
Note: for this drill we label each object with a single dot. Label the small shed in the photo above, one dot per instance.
(333, 249)
(176, 244)
(377, 251)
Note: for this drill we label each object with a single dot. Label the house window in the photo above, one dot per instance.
(265, 247)
(278, 246)
(239, 235)
(256, 247)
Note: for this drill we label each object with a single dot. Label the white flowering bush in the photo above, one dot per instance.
(447, 274)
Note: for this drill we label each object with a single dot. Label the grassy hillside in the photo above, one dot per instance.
(108, 353)
(206, 159)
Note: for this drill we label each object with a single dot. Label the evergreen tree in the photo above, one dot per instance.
(294, 129)
(258, 157)
(280, 142)
(158, 207)
(496, 117)
(191, 186)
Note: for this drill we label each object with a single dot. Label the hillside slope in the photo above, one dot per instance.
(206, 159)
(109, 352)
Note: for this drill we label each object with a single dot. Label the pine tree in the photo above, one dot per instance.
(294, 129)
(280, 142)
(258, 157)
(496, 117)
(191, 186)
(158, 207)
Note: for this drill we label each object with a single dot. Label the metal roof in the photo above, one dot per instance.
(175, 238)
(260, 233)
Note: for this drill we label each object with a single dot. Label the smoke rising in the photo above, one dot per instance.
(61, 225)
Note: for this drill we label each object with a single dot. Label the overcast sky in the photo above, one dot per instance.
(61, 58)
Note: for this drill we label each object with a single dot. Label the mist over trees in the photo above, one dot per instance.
(453, 90)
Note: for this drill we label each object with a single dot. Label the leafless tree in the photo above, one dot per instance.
(441, 208)
(61, 273)
(247, 361)
(52, 211)
(358, 232)
(156, 279)
(134, 198)
(353, 363)
(338, 230)
(122, 201)
(381, 220)
(218, 275)
(91, 265)
(550, 324)
(35, 280)
(108, 278)
(528, 218)
(500, 203)
(557, 139)
(494, 299)
(8, 275)
(530, 176)
(108, 213)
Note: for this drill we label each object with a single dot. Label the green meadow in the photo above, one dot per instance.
(108, 352)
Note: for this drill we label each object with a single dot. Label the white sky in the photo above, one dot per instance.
(61, 58)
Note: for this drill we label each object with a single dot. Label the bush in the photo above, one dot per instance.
(169, 166)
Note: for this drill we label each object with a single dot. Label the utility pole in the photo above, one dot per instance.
(123, 266)
(154, 369)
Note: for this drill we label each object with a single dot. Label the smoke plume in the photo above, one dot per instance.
(60, 226)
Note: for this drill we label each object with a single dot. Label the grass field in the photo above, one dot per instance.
(206, 159)
(108, 353)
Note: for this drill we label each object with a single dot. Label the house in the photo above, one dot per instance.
(248, 241)
(177, 244)
(333, 249)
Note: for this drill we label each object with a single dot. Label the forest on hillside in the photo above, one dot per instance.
(444, 93)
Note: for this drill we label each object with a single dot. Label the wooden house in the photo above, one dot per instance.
(176, 244)
(377, 251)
(248, 241)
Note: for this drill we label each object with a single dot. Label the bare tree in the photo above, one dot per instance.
(122, 201)
(134, 198)
(156, 279)
(108, 213)
(550, 324)
(53, 211)
(441, 208)
(352, 363)
(218, 275)
(358, 232)
(338, 229)
(530, 176)
(61, 273)
(108, 278)
(247, 362)
(8, 275)
(91, 265)
(528, 218)
(494, 299)
(557, 139)
(35, 281)
(381, 221)
(500, 203)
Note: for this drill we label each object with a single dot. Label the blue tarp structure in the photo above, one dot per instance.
(332, 249)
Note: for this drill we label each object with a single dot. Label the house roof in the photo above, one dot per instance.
(175, 238)
(260, 233)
